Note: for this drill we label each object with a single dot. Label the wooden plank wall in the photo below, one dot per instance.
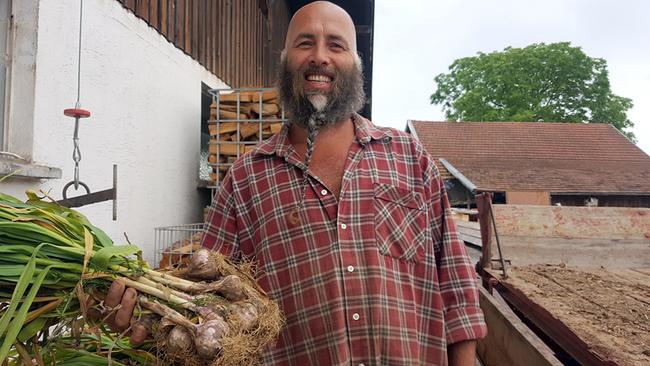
(238, 40)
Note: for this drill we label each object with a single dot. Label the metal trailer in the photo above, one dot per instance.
(606, 243)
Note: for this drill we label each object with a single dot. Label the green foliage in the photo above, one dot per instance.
(44, 248)
(554, 83)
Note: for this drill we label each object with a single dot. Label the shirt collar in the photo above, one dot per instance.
(367, 131)
(279, 144)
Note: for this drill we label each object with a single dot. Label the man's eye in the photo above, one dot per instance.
(336, 45)
(305, 44)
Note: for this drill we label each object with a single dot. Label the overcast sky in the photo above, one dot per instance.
(415, 40)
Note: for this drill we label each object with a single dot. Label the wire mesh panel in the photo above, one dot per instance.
(174, 245)
(239, 120)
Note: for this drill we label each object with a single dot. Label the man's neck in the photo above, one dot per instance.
(330, 151)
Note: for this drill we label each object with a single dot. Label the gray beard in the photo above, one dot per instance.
(314, 111)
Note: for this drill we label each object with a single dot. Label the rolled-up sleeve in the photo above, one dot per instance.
(456, 275)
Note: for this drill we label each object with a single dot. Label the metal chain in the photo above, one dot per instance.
(76, 153)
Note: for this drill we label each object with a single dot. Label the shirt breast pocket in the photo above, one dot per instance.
(400, 223)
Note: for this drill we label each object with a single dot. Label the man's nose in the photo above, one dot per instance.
(319, 56)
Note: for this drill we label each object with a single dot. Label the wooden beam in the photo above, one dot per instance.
(509, 340)
(154, 16)
(163, 17)
(171, 20)
(214, 30)
(200, 32)
(179, 34)
(195, 29)
(210, 34)
(363, 29)
(187, 26)
(483, 202)
(143, 9)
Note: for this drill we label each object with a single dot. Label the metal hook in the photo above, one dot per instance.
(76, 183)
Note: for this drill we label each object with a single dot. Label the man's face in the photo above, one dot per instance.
(320, 71)
(320, 41)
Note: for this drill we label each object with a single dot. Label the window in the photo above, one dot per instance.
(18, 45)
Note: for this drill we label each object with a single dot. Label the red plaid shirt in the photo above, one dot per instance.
(377, 277)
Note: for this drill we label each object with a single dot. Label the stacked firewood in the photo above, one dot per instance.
(238, 121)
(180, 252)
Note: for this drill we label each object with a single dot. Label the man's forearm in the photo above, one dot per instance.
(462, 353)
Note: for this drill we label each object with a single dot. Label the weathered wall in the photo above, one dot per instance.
(576, 236)
(527, 198)
(145, 99)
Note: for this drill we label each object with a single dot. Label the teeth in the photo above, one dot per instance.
(321, 78)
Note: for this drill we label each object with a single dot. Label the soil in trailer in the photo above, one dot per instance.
(609, 309)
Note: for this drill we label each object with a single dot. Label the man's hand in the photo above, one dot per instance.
(124, 299)
(462, 353)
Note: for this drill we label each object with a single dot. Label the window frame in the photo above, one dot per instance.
(16, 150)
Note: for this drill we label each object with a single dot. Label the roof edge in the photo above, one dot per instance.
(458, 175)
(411, 129)
(627, 138)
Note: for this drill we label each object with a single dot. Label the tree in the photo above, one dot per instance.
(554, 82)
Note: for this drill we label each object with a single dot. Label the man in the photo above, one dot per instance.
(349, 224)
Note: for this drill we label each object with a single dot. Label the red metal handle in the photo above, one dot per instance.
(76, 113)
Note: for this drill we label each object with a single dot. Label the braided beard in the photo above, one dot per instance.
(320, 109)
(316, 110)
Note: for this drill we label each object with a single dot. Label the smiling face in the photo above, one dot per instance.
(320, 70)
(320, 40)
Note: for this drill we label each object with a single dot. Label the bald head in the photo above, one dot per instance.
(322, 18)
(321, 78)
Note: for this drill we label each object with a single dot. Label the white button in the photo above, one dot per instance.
(355, 316)
(344, 226)
(323, 192)
(361, 364)
(350, 268)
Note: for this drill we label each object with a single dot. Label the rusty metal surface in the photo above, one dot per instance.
(482, 203)
(86, 199)
(95, 197)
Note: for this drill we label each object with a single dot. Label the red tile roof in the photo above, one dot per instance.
(538, 156)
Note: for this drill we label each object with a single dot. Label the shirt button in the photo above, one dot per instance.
(323, 192)
(356, 316)
(362, 364)
(344, 226)
(350, 268)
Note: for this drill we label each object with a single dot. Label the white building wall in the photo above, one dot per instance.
(145, 99)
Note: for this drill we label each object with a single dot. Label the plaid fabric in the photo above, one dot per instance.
(378, 277)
